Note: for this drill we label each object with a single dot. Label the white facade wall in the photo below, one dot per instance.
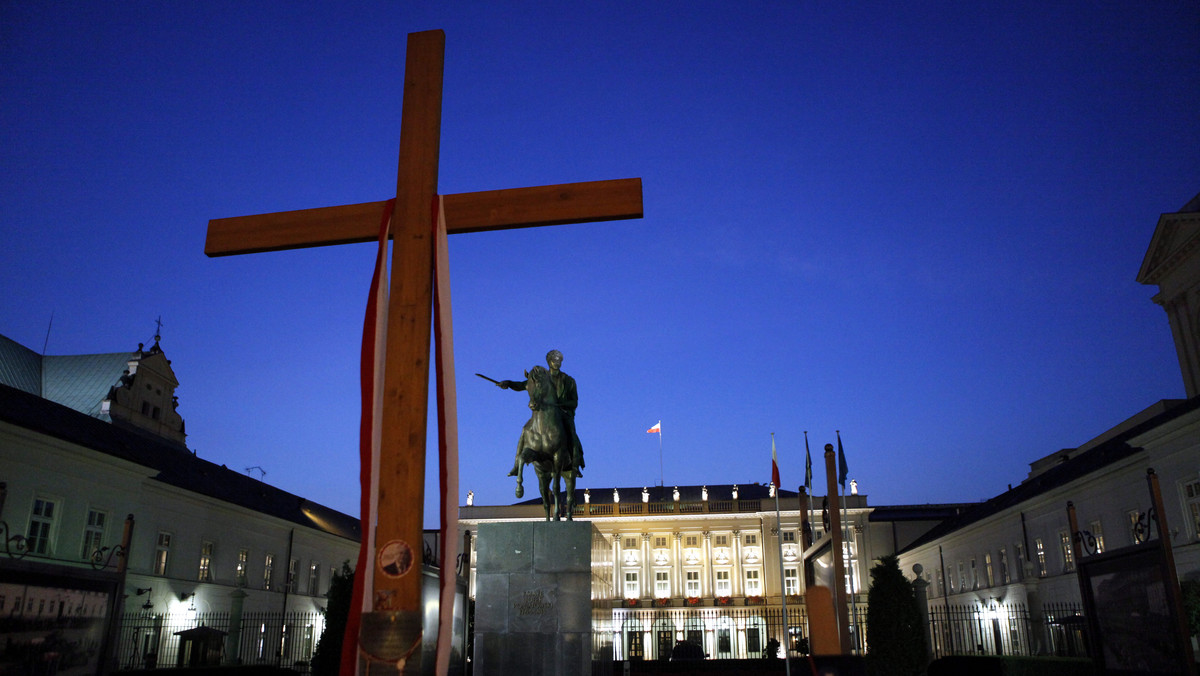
(1105, 496)
(79, 480)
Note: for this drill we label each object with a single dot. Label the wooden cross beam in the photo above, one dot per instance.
(406, 372)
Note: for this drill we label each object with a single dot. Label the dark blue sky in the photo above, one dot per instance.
(918, 223)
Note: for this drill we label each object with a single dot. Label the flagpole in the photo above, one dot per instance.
(787, 630)
(847, 537)
(660, 457)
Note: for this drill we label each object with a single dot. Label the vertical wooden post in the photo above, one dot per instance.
(838, 551)
(1170, 577)
(806, 540)
(392, 632)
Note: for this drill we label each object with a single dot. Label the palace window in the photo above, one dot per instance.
(723, 587)
(662, 584)
(93, 533)
(962, 576)
(1041, 556)
(314, 579)
(1098, 533)
(940, 589)
(1004, 566)
(750, 540)
(1068, 552)
(660, 542)
(162, 553)
(791, 581)
(691, 541)
(753, 584)
(206, 556)
(240, 574)
(293, 584)
(1019, 549)
(788, 535)
(721, 540)
(268, 570)
(1135, 518)
(974, 574)
(692, 583)
(630, 543)
(632, 590)
(41, 526)
(987, 569)
(1191, 494)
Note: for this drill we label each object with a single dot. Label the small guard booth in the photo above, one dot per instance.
(200, 647)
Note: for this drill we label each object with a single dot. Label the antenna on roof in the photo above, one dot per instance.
(47, 341)
(262, 473)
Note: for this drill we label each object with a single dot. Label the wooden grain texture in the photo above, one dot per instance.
(294, 229)
(560, 204)
(401, 478)
(544, 205)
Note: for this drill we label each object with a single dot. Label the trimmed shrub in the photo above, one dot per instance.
(895, 634)
(327, 658)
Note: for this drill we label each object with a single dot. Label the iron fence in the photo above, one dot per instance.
(721, 632)
(1007, 629)
(149, 640)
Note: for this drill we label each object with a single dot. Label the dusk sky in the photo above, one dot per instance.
(917, 223)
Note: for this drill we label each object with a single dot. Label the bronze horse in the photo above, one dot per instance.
(546, 444)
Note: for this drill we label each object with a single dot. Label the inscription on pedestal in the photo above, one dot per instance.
(534, 603)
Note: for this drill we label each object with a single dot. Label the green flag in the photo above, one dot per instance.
(842, 469)
(807, 466)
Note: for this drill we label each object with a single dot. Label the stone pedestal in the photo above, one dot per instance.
(534, 600)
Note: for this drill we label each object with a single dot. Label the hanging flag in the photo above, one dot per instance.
(447, 414)
(774, 464)
(807, 466)
(657, 429)
(370, 431)
(842, 469)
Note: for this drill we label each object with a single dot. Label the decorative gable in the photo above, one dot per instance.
(1173, 263)
(1173, 249)
(144, 398)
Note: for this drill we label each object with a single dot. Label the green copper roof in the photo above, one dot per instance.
(82, 381)
(20, 367)
(79, 382)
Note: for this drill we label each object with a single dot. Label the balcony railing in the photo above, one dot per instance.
(672, 507)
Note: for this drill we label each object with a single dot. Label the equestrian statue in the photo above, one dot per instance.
(548, 440)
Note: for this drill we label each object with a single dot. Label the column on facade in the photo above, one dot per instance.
(647, 572)
(856, 553)
(772, 572)
(707, 584)
(618, 568)
(921, 591)
(677, 566)
(737, 583)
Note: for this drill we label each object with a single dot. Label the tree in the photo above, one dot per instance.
(327, 658)
(895, 635)
(1191, 605)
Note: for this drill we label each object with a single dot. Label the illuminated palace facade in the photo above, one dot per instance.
(708, 564)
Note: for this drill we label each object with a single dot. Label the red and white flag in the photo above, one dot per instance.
(447, 410)
(369, 435)
(657, 429)
(774, 464)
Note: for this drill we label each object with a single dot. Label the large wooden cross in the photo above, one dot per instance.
(406, 377)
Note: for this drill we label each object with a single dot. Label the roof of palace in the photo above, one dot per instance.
(170, 463)
(601, 496)
(77, 381)
(1071, 468)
